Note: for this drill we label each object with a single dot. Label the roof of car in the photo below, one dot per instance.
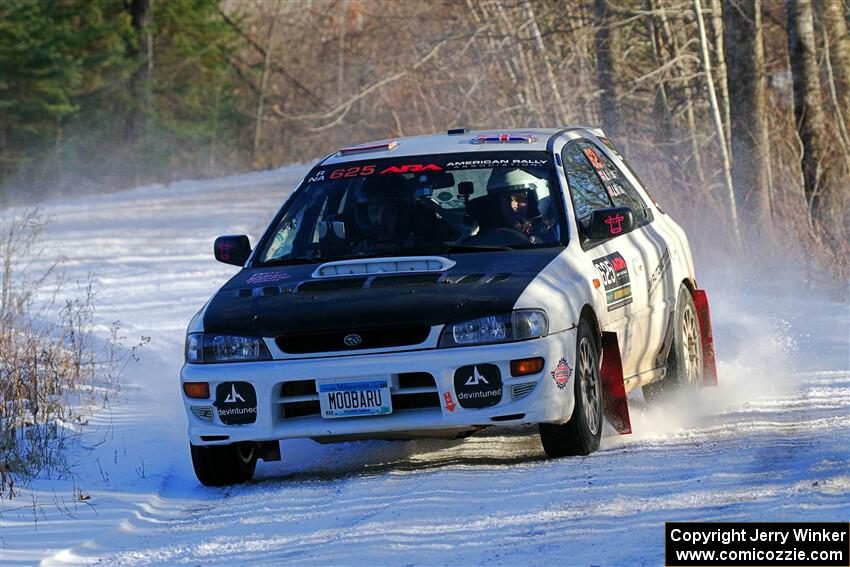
(460, 142)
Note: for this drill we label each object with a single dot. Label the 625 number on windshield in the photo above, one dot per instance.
(353, 171)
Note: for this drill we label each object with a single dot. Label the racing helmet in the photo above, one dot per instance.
(515, 182)
(504, 180)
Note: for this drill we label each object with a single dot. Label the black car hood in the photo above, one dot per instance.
(285, 299)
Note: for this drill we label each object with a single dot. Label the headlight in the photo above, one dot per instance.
(195, 348)
(506, 327)
(224, 348)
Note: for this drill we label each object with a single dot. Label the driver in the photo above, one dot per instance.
(384, 213)
(515, 206)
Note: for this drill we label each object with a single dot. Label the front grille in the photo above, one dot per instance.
(416, 390)
(298, 388)
(415, 380)
(300, 409)
(330, 341)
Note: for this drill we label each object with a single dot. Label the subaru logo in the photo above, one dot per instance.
(352, 340)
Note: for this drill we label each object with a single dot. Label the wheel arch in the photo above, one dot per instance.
(589, 315)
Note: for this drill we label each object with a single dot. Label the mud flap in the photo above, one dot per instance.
(615, 404)
(709, 365)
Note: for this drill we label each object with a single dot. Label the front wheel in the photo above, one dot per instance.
(220, 465)
(582, 433)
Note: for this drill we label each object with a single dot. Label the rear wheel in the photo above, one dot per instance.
(685, 362)
(220, 465)
(582, 433)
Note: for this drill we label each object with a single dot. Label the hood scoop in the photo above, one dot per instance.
(373, 266)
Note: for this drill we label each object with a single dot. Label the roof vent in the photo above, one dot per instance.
(504, 139)
(456, 131)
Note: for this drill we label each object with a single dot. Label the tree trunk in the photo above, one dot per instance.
(720, 56)
(140, 18)
(608, 49)
(746, 80)
(661, 112)
(835, 24)
(808, 111)
(677, 39)
(341, 55)
(837, 60)
(718, 121)
(264, 81)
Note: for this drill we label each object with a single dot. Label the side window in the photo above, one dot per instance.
(587, 191)
(622, 193)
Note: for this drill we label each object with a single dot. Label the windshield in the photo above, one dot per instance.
(419, 205)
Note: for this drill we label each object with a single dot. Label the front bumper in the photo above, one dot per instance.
(535, 398)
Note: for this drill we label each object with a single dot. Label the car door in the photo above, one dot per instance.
(663, 253)
(595, 183)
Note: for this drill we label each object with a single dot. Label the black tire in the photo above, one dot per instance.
(685, 362)
(582, 433)
(220, 465)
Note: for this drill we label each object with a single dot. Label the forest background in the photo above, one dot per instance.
(735, 113)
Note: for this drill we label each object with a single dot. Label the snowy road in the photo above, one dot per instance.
(771, 443)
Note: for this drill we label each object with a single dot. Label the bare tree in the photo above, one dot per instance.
(720, 57)
(264, 81)
(718, 121)
(608, 48)
(142, 54)
(747, 85)
(808, 110)
(837, 61)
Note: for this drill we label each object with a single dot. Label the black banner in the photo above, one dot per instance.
(694, 544)
(236, 403)
(478, 386)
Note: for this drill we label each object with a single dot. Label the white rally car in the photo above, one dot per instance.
(437, 285)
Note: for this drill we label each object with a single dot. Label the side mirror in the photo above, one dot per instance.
(232, 249)
(608, 223)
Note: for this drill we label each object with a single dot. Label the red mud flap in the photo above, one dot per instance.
(615, 404)
(709, 365)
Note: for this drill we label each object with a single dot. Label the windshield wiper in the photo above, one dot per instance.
(425, 250)
(290, 261)
(471, 248)
(409, 251)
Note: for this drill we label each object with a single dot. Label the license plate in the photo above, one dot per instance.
(369, 396)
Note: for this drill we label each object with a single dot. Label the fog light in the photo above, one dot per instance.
(200, 390)
(525, 366)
